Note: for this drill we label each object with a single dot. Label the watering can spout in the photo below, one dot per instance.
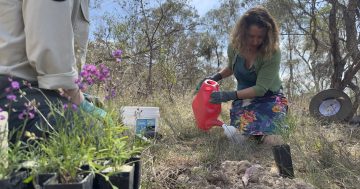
(214, 122)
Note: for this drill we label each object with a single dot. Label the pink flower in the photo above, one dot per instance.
(29, 111)
(11, 97)
(111, 93)
(15, 85)
(74, 107)
(117, 53)
(21, 116)
(92, 74)
(26, 115)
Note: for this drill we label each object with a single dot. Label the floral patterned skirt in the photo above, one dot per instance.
(259, 116)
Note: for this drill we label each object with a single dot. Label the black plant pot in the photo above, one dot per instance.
(86, 183)
(15, 181)
(40, 179)
(136, 161)
(123, 179)
(282, 156)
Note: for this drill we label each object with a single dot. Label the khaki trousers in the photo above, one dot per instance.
(44, 40)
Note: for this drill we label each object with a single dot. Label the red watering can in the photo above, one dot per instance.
(206, 113)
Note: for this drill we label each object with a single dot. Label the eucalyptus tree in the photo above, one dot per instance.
(163, 27)
(151, 35)
(345, 46)
(216, 28)
(176, 60)
(336, 40)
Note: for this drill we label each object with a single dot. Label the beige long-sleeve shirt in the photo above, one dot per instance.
(44, 40)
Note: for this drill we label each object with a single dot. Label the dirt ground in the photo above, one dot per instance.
(210, 161)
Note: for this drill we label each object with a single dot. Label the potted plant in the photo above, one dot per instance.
(136, 161)
(122, 177)
(99, 145)
(116, 157)
(64, 152)
(12, 156)
(120, 171)
(41, 178)
(12, 173)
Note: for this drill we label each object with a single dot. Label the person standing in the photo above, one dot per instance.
(42, 48)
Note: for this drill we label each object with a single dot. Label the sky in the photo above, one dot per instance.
(202, 7)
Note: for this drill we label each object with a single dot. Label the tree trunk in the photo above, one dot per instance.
(338, 63)
(351, 41)
(356, 102)
(149, 82)
(349, 17)
(217, 57)
(291, 68)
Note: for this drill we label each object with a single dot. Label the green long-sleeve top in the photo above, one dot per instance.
(263, 76)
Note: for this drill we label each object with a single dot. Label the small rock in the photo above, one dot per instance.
(300, 184)
(239, 166)
(274, 171)
(212, 187)
(243, 165)
(277, 182)
(216, 178)
(196, 169)
(258, 186)
(252, 174)
(183, 178)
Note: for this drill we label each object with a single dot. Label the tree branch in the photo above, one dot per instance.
(351, 41)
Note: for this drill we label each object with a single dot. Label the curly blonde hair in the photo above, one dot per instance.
(260, 17)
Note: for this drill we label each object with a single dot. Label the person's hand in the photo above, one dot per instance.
(95, 111)
(85, 103)
(94, 106)
(90, 108)
(73, 95)
(94, 99)
(224, 96)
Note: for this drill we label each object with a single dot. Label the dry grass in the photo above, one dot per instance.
(325, 155)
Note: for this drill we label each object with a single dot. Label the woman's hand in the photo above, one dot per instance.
(77, 97)
(74, 95)
(223, 96)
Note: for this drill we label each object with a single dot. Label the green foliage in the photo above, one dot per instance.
(12, 159)
(88, 142)
(66, 149)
